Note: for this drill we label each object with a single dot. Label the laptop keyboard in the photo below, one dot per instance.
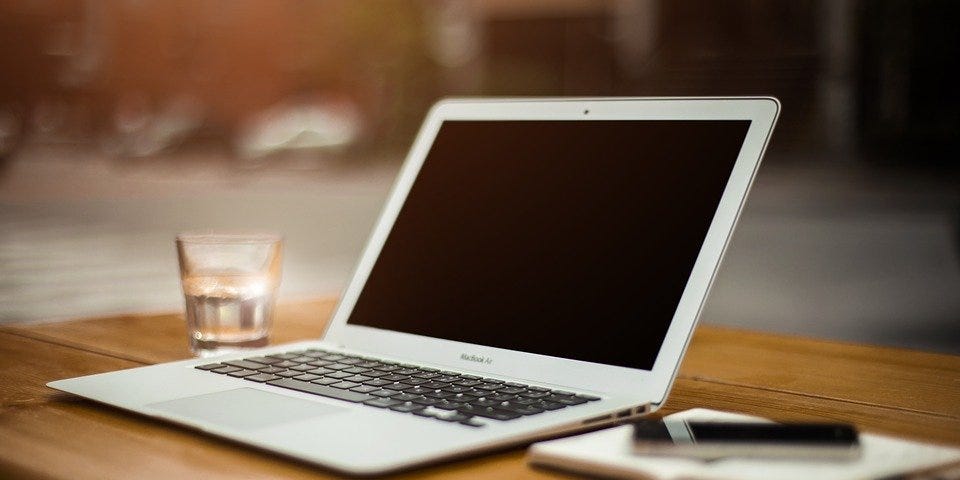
(426, 392)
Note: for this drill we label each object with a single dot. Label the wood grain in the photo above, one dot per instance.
(50, 435)
(159, 338)
(27, 365)
(785, 406)
(906, 379)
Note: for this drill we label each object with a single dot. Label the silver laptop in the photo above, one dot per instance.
(538, 268)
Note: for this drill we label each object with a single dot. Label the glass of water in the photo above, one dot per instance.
(229, 283)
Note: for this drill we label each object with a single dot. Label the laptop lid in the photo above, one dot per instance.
(569, 242)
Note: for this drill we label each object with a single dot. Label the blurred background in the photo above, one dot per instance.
(123, 122)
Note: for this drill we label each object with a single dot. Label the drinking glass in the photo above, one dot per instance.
(229, 285)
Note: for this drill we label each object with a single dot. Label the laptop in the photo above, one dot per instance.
(538, 269)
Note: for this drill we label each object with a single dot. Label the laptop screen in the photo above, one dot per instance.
(572, 239)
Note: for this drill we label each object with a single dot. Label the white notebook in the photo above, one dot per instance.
(608, 453)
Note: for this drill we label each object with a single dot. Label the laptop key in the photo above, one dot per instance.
(301, 359)
(375, 373)
(521, 409)
(565, 400)
(326, 381)
(501, 397)
(261, 377)
(511, 390)
(338, 366)
(447, 415)
(468, 383)
(426, 400)
(405, 397)
(471, 422)
(264, 360)
(244, 364)
(407, 407)
(418, 390)
(302, 368)
(288, 373)
(425, 412)
(227, 369)
(434, 385)
(340, 375)
(242, 373)
(210, 366)
(345, 385)
(439, 395)
(320, 363)
(456, 389)
(395, 378)
(377, 382)
(488, 412)
(547, 405)
(382, 402)
(589, 398)
(536, 394)
(306, 377)
(447, 404)
(356, 370)
(358, 378)
(322, 390)
(562, 392)
(273, 370)
(383, 393)
(397, 386)
(365, 389)
(464, 397)
(320, 371)
(285, 364)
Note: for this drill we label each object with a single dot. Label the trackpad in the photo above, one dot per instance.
(245, 408)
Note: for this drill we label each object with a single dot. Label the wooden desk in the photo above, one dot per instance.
(46, 434)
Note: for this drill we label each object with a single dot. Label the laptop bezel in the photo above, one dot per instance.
(651, 385)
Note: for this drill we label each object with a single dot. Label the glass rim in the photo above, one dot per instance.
(234, 238)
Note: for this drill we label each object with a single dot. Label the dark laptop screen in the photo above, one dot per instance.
(571, 239)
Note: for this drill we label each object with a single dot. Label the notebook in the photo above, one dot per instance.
(609, 453)
(538, 268)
